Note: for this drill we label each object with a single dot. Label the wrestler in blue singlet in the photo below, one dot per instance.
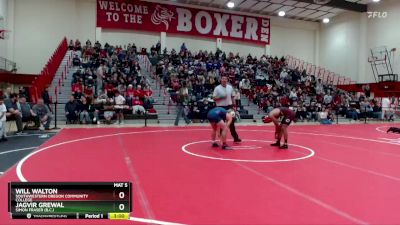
(216, 114)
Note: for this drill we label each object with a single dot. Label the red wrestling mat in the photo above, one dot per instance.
(346, 174)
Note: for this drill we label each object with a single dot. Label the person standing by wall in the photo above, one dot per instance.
(224, 97)
(46, 98)
(3, 111)
(181, 100)
(119, 107)
(385, 108)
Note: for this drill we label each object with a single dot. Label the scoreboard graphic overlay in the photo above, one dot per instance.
(70, 200)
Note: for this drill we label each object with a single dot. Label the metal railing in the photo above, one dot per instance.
(7, 65)
(326, 76)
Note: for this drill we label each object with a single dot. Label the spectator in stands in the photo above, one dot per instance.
(139, 93)
(367, 90)
(391, 115)
(78, 94)
(159, 69)
(27, 113)
(319, 87)
(46, 97)
(121, 87)
(43, 112)
(365, 108)
(109, 89)
(183, 47)
(158, 47)
(138, 107)
(326, 116)
(353, 112)
(22, 92)
(283, 74)
(181, 101)
(148, 99)
(245, 85)
(7, 94)
(88, 92)
(97, 45)
(385, 108)
(71, 45)
(3, 112)
(93, 111)
(153, 50)
(14, 112)
(76, 61)
(108, 108)
(75, 78)
(78, 46)
(88, 43)
(238, 101)
(344, 105)
(89, 82)
(71, 110)
(301, 113)
(78, 86)
(119, 107)
(83, 110)
(204, 108)
(198, 90)
(101, 99)
(327, 98)
(129, 94)
(331, 115)
(376, 110)
(194, 111)
(312, 111)
(293, 95)
(100, 73)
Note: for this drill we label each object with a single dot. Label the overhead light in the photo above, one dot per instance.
(281, 13)
(376, 0)
(325, 20)
(230, 4)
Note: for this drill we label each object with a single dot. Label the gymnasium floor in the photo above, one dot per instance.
(338, 174)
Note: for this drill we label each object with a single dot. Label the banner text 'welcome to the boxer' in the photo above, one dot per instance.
(148, 16)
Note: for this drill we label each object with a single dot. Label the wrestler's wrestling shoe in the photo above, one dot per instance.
(276, 144)
(226, 147)
(284, 146)
(237, 140)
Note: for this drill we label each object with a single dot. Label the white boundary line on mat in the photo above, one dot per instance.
(184, 149)
(379, 130)
(17, 150)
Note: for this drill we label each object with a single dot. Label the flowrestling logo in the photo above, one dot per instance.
(162, 15)
(377, 15)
